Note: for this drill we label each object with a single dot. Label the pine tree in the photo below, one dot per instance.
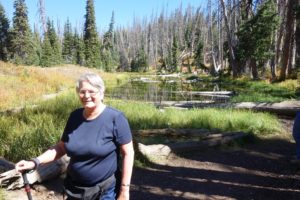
(54, 42)
(68, 44)
(108, 53)
(198, 49)
(4, 27)
(108, 36)
(175, 54)
(22, 47)
(47, 53)
(79, 48)
(255, 36)
(91, 41)
(37, 43)
(51, 48)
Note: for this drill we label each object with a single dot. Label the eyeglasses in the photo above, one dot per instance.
(90, 92)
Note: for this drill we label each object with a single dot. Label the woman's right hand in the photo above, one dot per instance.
(24, 165)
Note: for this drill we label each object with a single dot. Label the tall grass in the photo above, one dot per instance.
(30, 132)
(143, 116)
(25, 85)
(261, 91)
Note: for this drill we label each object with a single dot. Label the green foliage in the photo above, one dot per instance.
(79, 49)
(51, 49)
(22, 48)
(68, 45)
(32, 131)
(140, 62)
(92, 44)
(29, 133)
(255, 35)
(146, 116)
(37, 43)
(175, 54)
(260, 91)
(47, 53)
(4, 27)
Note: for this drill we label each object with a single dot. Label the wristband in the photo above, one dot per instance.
(125, 185)
(36, 162)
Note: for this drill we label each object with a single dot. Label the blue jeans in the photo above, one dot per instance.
(109, 194)
(296, 134)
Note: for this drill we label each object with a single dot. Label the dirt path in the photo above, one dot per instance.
(259, 170)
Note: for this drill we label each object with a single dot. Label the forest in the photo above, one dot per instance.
(254, 38)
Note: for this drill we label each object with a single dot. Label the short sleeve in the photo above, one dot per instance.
(122, 130)
(73, 122)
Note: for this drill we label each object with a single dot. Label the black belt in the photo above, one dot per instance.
(88, 193)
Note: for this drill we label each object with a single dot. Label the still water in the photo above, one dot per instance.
(156, 88)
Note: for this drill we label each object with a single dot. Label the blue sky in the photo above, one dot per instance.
(125, 10)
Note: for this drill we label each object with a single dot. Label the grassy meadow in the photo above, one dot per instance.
(27, 85)
(28, 133)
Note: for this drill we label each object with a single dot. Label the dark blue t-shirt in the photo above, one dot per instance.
(93, 145)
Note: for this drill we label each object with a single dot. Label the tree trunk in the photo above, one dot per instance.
(282, 11)
(291, 63)
(253, 67)
(232, 56)
(297, 37)
(288, 39)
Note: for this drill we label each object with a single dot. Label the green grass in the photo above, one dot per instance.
(1, 195)
(30, 132)
(260, 91)
(145, 116)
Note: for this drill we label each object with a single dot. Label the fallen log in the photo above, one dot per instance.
(286, 108)
(12, 179)
(175, 132)
(164, 150)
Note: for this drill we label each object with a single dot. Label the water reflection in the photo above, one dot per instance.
(169, 88)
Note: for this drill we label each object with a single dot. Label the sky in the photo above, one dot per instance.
(124, 10)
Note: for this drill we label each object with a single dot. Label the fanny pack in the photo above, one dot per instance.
(87, 193)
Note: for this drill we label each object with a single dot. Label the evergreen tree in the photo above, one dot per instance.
(108, 36)
(108, 53)
(4, 31)
(79, 49)
(140, 62)
(255, 35)
(175, 54)
(68, 51)
(37, 43)
(47, 53)
(22, 47)
(54, 42)
(51, 47)
(198, 49)
(92, 45)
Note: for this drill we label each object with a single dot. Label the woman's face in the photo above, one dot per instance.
(89, 95)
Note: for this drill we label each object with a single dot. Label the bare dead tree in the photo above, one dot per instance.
(232, 56)
(42, 15)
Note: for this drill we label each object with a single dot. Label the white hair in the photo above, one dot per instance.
(93, 79)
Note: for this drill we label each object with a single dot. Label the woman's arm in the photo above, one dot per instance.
(127, 165)
(50, 155)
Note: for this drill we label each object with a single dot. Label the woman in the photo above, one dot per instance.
(296, 135)
(93, 137)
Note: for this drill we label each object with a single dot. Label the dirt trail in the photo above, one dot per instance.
(259, 170)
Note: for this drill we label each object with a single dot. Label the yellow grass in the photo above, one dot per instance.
(25, 85)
